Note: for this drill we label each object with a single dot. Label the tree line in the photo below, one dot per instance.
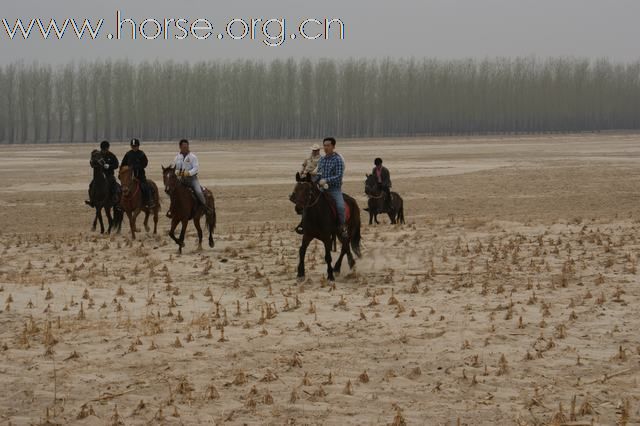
(250, 99)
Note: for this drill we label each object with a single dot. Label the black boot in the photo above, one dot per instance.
(299, 229)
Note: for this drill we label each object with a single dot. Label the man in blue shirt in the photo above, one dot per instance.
(331, 172)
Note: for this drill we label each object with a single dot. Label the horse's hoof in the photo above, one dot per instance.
(300, 279)
(332, 279)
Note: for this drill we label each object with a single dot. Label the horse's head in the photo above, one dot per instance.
(371, 185)
(96, 159)
(303, 193)
(170, 179)
(127, 180)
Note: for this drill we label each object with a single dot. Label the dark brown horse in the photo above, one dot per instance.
(132, 202)
(376, 202)
(319, 222)
(185, 207)
(100, 195)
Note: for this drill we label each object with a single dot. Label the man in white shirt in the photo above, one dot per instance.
(187, 168)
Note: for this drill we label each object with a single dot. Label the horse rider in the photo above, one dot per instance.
(330, 174)
(137, 161)
(187, 168)
(110, 164)
(309, 168)
(310, 164)
(383, 177)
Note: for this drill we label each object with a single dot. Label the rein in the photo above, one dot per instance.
(315, 201)
(376, 197)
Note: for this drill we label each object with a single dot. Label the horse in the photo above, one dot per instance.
(320, 222)
(132, 203)
(185, 207)
(376, 202)
(100, 196)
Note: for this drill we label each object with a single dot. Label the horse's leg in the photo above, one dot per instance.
(196, 223)
(146, 220)
(350, 259)
(327, 258)
(343, 251)
(185, 222)
(99, 216)
(132, 224)
(303, 251)
(95, 221)
(155, 218)
(107, 211)
(392, 217)
(370, 217)
(172, 231)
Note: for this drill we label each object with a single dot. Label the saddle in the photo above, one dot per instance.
(205, 191)
(334, 211)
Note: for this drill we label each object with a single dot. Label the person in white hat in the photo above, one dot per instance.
(310, 165)
(309, 168)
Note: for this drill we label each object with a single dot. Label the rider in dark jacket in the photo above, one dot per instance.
(384, 181)
(136, 160)
(110, 164)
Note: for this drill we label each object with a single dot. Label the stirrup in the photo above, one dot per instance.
(299, 230)
(344, 232)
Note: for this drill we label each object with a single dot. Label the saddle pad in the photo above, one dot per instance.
(347, 209)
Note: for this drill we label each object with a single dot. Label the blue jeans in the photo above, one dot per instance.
(336, 194)
(195, 184)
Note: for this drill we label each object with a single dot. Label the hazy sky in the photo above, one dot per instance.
(374, 28)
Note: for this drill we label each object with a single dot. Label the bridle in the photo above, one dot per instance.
(173, 180)
(310, 195)
(371, 192)
(130, 193)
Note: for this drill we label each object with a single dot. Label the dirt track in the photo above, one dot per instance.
(511, 290)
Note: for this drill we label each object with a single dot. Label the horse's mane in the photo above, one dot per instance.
(124, 169)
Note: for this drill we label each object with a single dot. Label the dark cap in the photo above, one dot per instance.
(104, 145)
(377, 161)
(135, 142)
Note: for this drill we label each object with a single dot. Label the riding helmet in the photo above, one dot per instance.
(377, 161)
(135, 142)
(104, 145)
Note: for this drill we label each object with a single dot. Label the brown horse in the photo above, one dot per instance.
(132, 202)
(185, 207)
(319, 222)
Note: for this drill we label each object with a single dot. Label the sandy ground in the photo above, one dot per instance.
(509, 297)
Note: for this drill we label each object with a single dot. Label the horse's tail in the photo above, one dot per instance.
(118, 216)
(356, 236)
(211, 221)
